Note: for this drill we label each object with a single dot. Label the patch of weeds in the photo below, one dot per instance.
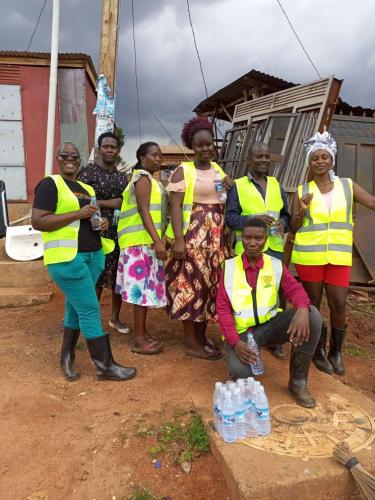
(184, 438)
(122, 436)
(356, 351)
(81, 346)
(141, 493)
(144, 433)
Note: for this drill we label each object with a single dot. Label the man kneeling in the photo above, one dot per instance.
(248, 300)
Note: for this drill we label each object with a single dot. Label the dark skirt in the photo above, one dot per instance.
(192, 283)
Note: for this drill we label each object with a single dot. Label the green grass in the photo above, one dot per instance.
(141, 493)
(356, 351)
(184, 438)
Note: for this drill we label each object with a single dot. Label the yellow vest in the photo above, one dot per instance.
(131, 230)
(253, 306)
(252, 203)
(62, 245)
(189, 176)
(326, 238)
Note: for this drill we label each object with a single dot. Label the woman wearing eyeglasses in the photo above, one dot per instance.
(74, 256)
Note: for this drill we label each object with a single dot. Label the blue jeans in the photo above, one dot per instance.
(77, 280)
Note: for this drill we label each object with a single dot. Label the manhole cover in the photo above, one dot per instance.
(300, 432)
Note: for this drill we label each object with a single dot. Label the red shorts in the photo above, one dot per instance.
(328, 273)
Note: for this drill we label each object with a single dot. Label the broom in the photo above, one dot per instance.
(364, 480)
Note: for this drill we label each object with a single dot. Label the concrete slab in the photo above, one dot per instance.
(268, 469)
(23, 274)
(20, 297)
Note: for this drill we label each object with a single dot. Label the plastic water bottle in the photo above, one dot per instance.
(229, 432)
(239, 408)
(251, 424)
(220, 189)
(217, 405)
(258, 367)
(96, 217)
(262, 412)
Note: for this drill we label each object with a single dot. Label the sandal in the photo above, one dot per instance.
(122, 329)
(209, 354)
(150, 348)
(210, 345)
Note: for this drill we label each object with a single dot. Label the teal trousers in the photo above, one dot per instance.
(77, 280)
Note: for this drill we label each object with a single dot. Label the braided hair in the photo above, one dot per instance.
(192, 126)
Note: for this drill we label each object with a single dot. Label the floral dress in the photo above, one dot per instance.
(140, 274)
(107, 185)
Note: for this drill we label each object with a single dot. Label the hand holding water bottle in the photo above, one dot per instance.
(96, 220)
(245, 353)
(220, 189)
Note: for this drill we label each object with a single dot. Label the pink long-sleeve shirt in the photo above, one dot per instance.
(293, 291)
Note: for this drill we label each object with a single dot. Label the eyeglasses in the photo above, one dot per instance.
(73, 156)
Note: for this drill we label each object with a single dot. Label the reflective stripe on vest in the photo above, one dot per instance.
(131, 230)
(189, 177)
(252, 203)
(326, 237)
(62, 245)
(246, 313)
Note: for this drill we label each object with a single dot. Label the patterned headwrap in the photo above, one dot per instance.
(322, 141)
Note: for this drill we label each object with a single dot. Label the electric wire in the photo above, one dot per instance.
(136, 74)
(196, 48)
(171, 137)
(36, 26)
(298, 38)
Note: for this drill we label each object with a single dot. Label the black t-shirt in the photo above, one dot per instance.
(46, 199)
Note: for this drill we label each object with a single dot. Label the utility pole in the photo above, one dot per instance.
(52, 87)
(108, 41)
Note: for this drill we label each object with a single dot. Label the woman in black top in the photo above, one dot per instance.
(74, 258)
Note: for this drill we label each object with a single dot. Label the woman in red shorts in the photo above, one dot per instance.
(322, 254)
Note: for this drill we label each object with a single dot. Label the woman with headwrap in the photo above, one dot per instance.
(322, 254)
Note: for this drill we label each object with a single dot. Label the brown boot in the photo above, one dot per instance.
(334, 356)
(299, 371)
(320, 356)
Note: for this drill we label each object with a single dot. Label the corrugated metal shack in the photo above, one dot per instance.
(283, 114)
(24, 86)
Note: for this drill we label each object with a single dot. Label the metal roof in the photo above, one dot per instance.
(234, 92)
(69, 59)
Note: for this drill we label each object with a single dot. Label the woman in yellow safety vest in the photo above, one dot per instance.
(74, 256)
(140, 272)
(322, 222)
(197, 192)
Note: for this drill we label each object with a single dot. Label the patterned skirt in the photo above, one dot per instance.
(140, 277)
(192, 283)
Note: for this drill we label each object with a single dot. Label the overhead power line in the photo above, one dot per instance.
(136, 73)
(196, 48)
(36, 26)
(298, 38)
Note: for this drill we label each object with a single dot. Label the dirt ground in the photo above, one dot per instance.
(80, 440)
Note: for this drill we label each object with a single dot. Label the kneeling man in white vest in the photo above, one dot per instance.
(248, 301)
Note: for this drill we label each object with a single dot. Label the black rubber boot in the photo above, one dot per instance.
(299, 371)
(334, 356)
(107, 368)
(70, 339)
(320, 356)
(277, 351)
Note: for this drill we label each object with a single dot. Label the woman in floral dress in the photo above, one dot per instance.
(109, 185)
(140, 273)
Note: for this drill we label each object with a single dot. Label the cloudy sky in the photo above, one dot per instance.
(233, 36)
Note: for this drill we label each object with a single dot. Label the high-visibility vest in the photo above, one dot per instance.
(62, 245)
(190, 177)
(130, 229)
(253, 306)
(252, 203)
(326, 238)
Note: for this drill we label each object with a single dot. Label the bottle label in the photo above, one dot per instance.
(263, 413)
(240, 416)
(229, 420)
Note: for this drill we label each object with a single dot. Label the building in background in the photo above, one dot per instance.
(24, 88)
(172, 156)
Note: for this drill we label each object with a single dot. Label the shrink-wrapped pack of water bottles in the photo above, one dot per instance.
(241, 410)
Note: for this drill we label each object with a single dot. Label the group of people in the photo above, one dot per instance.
(170, 249)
